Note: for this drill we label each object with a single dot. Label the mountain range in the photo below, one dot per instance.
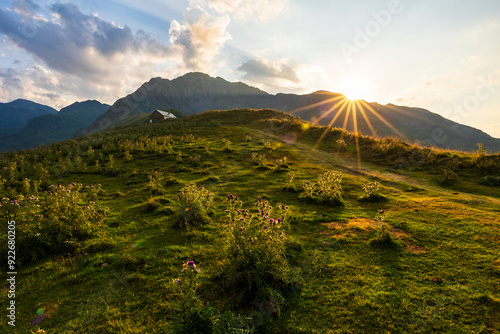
(29, 124)
(194, 93)
(26, 124)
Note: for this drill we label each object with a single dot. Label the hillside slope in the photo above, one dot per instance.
(197, 92)
(251, 221)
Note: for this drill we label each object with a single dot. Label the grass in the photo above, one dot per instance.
(442, 275)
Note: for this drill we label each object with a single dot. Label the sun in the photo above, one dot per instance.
(355, 88)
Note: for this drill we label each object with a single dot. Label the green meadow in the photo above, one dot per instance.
(250, 221)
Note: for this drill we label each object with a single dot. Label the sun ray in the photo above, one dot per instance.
(356, 133)
(343, 104)
(381, 118)
(333, 99)
(367, 120)
(346, 119)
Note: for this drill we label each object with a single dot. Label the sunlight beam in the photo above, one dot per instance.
(316, 104)
(381, 118)
(367, 120)
(343, 104)
(356, 133)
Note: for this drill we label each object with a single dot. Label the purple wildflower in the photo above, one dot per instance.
(191, 265)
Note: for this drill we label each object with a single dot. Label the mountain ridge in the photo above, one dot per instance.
(49, 128)
(197, 92)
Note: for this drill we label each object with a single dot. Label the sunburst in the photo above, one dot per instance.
(349, 109)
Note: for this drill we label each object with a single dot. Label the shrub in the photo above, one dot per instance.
(448, 178)
(55, 224)
(326, 188)
(196, 318)
(384, 239)
(371, 193)
(289, 183)
(257, 270)
(194, 205)
(282, 162)
(155, 184)
(227, 146)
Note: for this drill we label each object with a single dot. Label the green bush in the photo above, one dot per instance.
(326, 188)
(196, 318)
(256, 271)
(194, 205)
(371, 193)
(58, 223)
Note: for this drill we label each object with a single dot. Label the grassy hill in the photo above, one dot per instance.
(291, 227)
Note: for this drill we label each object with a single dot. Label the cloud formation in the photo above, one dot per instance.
(71, 41)
(270, 75)
(200, 38)
(80, 55)
(247, 10)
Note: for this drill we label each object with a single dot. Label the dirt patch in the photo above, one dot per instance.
(357, 226)
(416, 249)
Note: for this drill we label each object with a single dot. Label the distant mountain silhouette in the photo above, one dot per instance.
(16, 114)
(197, 92)
(51, 128)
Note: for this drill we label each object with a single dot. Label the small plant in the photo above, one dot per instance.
(261, 161)
(111, 163)
(155, 184)
(449, 177)
(179, 157)
(257, 269)
(384, 239)
(371, 193)
(268, 145)
(289, 183)
(194, 160)
(194, 205)
(196, 318)
(127, 156)
(248, 138)
(227, 146)
(341, 144)
(282, 162)
(326, 188)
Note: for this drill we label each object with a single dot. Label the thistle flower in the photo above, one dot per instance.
(191, 265)
(271, 220)
(381, 212)
(178, 282)
(279, 220)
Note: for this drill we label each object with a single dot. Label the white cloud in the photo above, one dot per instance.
(81, 56)
(246, 10)
(280, 76)
(199, 38)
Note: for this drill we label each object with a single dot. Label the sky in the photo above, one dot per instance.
(441, 55)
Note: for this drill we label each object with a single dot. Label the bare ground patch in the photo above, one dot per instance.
(357, 226)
